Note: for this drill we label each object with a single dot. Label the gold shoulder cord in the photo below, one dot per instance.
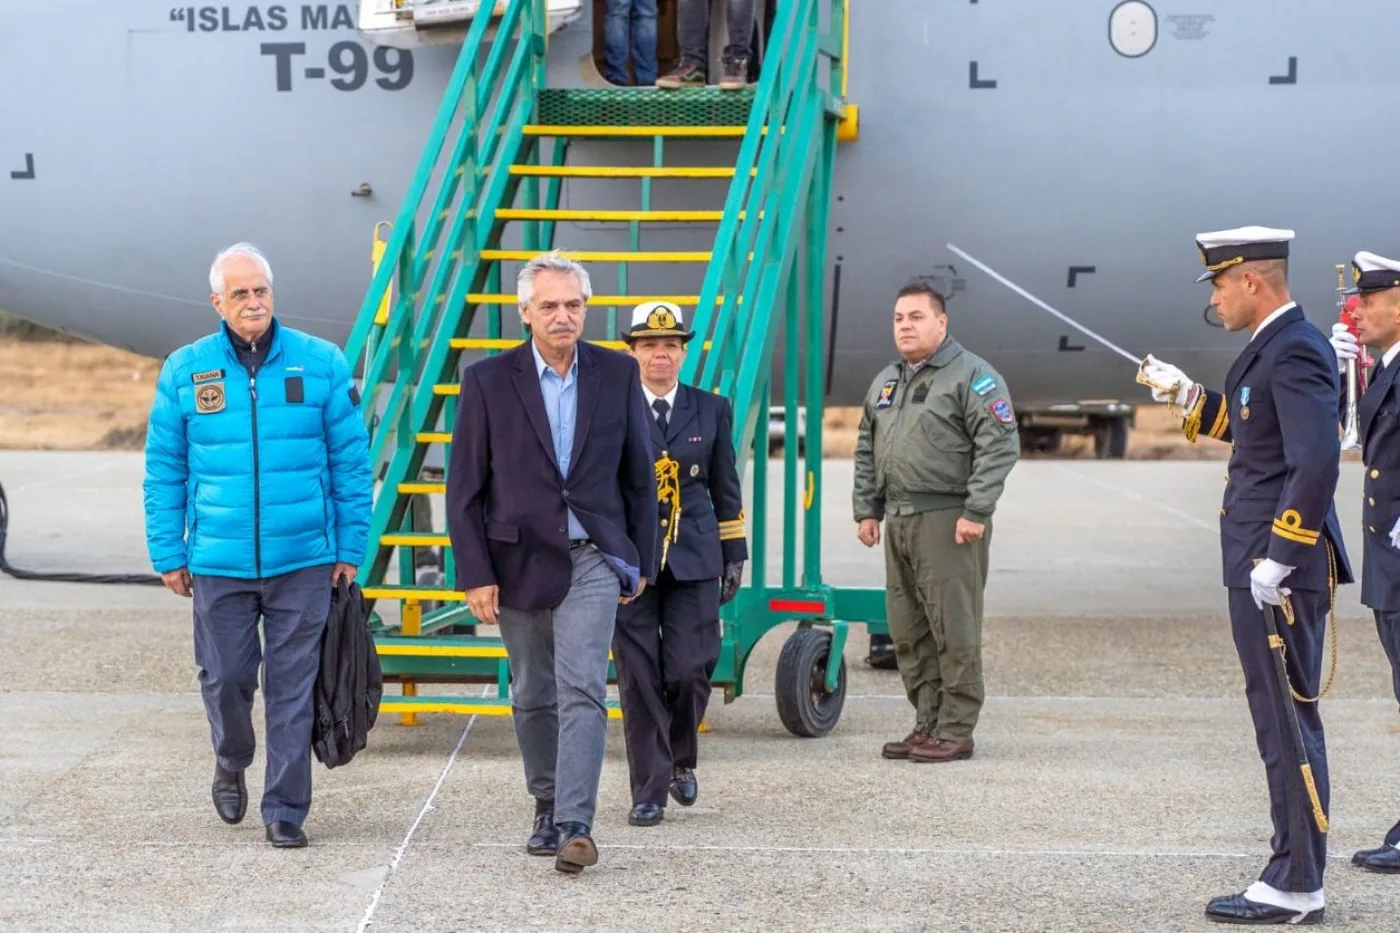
(668, 488)
(1329, 627)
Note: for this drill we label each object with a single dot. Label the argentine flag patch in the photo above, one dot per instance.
(984, 385)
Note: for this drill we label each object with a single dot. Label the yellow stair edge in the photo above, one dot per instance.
(413, 592)
(623, 171)
(525, 255)
(424, 489)
(387, 705)
(441, 651)
(548, 129)
(483, 298)
(548, 213)
(415, 539)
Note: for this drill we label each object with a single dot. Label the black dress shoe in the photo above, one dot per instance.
(646, 814)
(1385, 860)
(230, 795)
(545, 840)
(285, 835)
(576, 849)
(1236, 908)
(684, 787)
(1360, 857)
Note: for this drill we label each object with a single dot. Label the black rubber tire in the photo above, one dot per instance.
(804, 706)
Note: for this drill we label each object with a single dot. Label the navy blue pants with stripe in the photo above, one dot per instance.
(293, 608)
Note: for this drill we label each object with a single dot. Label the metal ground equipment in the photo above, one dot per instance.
(504, 154)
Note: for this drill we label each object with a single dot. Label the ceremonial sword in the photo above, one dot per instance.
(1138, 361)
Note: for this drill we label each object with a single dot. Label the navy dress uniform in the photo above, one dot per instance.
(1281, 543)
(1379, 428)
(666, 643)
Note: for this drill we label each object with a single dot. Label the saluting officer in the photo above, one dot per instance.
(1280, 539)
(666, 643)
(1378, 323)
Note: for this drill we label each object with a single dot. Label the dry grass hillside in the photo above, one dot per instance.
(79, 396)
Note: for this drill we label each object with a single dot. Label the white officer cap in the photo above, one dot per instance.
(1373, 273)
(1221, 249)
(657, 319)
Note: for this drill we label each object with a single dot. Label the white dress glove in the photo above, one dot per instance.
(1395, 534)
(1344, 343)
(1165, 374)
(1264, 582)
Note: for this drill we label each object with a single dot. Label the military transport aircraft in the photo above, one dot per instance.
(1075, 147)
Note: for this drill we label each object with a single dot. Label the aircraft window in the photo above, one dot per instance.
(668, 50)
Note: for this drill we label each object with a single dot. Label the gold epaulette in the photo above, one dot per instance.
(732, 530)
(668, 489)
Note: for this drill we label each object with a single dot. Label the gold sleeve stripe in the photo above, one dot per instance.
(1222, 421)
(1289, 526)
(731, 534)
(1291, 534)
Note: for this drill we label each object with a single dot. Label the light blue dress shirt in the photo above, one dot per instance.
(561, 406)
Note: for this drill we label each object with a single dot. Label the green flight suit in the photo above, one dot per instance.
(937, 441)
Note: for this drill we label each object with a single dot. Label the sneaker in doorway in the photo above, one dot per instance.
(736, 75)
(684, 75)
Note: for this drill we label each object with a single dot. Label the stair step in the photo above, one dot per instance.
(624, 171)
(602, 301)
(415, 539)
(421, 593)
(470, 706)
(545, 213)
(421, 646)
(434, 437)
(525, 255)
(422, 489)
(693, 132)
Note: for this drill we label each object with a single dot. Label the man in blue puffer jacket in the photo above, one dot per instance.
(258, 494)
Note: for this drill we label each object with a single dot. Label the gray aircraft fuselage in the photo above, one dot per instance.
(1076, 147)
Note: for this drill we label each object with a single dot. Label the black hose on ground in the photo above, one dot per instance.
(144, 579)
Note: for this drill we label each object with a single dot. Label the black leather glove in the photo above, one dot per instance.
(729, 584)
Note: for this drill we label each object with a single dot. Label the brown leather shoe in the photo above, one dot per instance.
(902, 748)
(941, 750)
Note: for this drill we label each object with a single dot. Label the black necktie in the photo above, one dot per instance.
(660, 405)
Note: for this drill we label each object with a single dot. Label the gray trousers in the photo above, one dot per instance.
(559, 682)
(693, 30)
(293, 608)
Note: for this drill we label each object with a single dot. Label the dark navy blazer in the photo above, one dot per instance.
(699, 438)
(1379, 417)
(1279, 411)
(506, 514)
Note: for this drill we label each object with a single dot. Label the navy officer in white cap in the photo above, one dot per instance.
(666, 644)
(1377, 319)
(1280, 540)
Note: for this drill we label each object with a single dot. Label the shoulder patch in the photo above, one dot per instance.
(886, 397)
(984, 385)
(1001, 410)
(207, 376)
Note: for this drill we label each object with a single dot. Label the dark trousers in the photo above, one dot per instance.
(293, 608)
(665, 648)
(1388, 628)
(1299, 848)
(693, 30)
(629, 26)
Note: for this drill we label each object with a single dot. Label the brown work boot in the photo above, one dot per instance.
(904, 746)
(683, 75)
(736, 75)
(941, 750)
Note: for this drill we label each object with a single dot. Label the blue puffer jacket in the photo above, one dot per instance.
(244, 483)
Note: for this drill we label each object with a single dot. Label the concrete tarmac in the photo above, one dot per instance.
(1116, 783)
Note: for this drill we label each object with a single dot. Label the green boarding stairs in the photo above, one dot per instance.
(438, 285)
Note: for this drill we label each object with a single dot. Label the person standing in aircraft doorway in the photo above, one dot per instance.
(937, 440)
(629, 23)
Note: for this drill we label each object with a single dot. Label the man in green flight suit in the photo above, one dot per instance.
(937, 440)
